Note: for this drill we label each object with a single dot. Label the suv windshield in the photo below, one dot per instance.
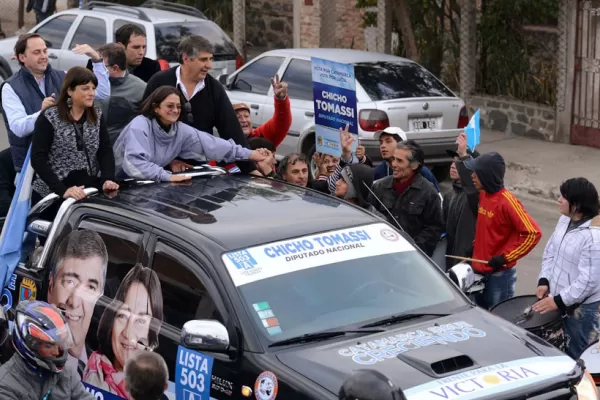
(387, 80)
(168, 36)
(334, 279)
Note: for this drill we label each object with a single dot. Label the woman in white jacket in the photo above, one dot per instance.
(570, 276)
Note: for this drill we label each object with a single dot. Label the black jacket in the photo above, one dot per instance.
(7, 181)
(418, 210)
(460, 224)
(144, 71)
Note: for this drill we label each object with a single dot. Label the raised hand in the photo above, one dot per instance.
(280, 88)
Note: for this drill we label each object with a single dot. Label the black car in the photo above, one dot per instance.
(252, 288)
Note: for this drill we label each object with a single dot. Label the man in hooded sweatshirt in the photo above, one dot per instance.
(504, 232)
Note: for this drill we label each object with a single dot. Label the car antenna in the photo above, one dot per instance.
(384, 207)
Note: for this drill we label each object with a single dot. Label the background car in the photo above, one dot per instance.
(165, 24)
(390, 91)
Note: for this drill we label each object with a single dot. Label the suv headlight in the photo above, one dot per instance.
(586, 388)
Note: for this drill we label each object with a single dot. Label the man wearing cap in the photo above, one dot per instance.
(459, 220)
(388, 140)
(276, 129)
(504, 232)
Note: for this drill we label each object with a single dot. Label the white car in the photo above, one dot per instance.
(390, 91)
(165, 24)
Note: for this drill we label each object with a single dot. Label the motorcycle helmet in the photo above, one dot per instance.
(369, 385)
(41, 336)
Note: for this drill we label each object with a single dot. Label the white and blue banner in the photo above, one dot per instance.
(11, 239)
(334, 95)
(473, 131)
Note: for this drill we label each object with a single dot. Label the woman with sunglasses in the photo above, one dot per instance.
(154, 139)
(70, 147)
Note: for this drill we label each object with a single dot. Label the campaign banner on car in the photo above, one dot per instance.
(334, 95)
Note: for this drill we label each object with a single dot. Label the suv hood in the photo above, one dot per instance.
(468, 355)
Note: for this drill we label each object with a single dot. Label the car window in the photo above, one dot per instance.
(120, 22)
(90, 31)
(256, 78)
(336, 279)
(169, 35)
(298, 76)
(184, 296)
(55, 30)
(396, 80)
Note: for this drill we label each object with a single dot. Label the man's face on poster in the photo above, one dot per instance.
(76, 288)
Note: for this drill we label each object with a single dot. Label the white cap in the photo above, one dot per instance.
(391, 130)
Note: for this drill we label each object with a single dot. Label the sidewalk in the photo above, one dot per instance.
(536, 168)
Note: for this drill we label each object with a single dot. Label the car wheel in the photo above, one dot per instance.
(3, 75)
(314, 169)
(441, 172)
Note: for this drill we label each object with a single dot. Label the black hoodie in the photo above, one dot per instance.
(490, 169)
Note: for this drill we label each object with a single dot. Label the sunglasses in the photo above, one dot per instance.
(188, 108)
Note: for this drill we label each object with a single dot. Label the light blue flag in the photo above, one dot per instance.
(473, 132)
(11, 239)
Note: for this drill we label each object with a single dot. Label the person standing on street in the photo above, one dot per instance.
(570, 277)
(459, 220)
(35, 87)
(410, 198)
(504, 232)
(146, 376)
(42, 8)
(41, 339)
(206, 103)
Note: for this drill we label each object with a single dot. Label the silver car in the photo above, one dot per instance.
(165, 24)
(390, 91)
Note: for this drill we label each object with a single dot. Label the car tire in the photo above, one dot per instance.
(312, 166)
(4, 75)
(441, 172)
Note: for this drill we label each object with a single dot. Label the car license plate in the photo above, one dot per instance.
(423, 124)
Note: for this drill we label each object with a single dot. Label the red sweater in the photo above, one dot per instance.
(276, 129)
(503, 227)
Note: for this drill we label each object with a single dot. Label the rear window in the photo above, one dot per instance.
(397, 80)
(169, 35)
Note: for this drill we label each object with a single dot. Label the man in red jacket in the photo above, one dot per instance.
(276, 129)
(504, 232)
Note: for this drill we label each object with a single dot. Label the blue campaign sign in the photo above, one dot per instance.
(334, 94)
(193, 375)
(473, 132)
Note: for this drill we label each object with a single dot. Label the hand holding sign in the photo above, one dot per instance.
(346, 142)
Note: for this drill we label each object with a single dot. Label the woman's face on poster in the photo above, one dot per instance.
(131, 324)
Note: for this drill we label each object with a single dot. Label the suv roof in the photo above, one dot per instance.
(347, 56)
(155, 11)
(237, 211)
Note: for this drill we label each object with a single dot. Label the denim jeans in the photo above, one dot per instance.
(581, 328)
(499, 286)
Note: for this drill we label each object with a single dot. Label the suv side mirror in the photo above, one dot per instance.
(462, 274)
(223, 79)
(205, 335)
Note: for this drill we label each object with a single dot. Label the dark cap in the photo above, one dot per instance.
(453, 153)
(481, 161)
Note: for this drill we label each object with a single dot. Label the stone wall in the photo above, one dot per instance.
(515, 117)
(269, 25)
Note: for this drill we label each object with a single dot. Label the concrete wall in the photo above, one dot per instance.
(269, 25)
(515, 117)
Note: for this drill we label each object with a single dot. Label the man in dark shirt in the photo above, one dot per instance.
(207, 105)
(133, 38)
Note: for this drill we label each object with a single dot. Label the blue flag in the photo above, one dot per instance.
(11, 239)
(473, 132)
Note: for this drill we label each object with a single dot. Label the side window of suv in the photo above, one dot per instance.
(298, 76)
(90, 31)
(184, 296)
(90, 272)
(256, 78)
(55, 30)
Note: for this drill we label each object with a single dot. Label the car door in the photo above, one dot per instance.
(298, 76)
(252, 84)
(95, 262)
(54, 31)
(189, 293)
(89, 30)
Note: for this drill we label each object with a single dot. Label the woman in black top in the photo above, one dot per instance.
(71, 147)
